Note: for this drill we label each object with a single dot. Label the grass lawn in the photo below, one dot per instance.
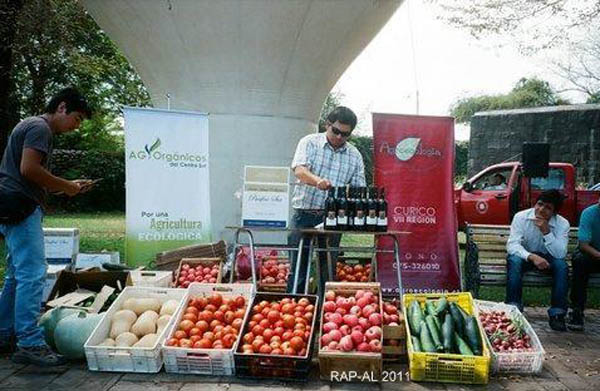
(106, 231)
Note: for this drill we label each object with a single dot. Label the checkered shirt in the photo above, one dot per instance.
(341, 167)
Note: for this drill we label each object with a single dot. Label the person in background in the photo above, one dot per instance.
(24, 182)
(322, 161)
(586, 260)
(497, 182)
(538, 241)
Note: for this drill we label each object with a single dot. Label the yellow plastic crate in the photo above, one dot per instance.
(443, 367)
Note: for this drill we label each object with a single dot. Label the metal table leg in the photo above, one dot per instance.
(297, 270)
(310, 257)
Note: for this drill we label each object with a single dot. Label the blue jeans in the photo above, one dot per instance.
(517, 266)
(21, 296)
(308, 219)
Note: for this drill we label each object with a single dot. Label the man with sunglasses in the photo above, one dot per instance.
(322, 161)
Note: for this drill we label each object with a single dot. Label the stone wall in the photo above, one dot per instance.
(573, 133)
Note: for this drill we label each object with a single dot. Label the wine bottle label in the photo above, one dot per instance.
(382, 222)
(330, 222)
(371, 220)
(342, 220)
(359, 221)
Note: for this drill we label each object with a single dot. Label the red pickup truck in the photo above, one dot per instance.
(495, 194)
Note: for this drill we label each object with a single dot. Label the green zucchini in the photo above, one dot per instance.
(441, 306)
(435, 333)
(416, 344)
(430, 308)
(463, 313)
(448, 334)
(472, 335)
(438, 323)
(459, 321)
(463, 348)
(425, 337)
(415, 317)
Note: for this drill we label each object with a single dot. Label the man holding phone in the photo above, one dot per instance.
(25, 180)
(538, 241)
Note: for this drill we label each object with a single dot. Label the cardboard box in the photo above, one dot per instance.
(94, 281)
(61, 245)
(85, 260)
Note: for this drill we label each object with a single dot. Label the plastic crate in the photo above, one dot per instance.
(153, 278)
(127, 359)
(273, 287)
(367, 366)
(443, 367)
(286, 368)
(216, 362)
(514, 362)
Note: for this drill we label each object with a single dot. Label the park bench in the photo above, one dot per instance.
(485, 259)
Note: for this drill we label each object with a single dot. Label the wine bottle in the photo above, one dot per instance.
(330, 220)
(351, 208)
(342, 209)
(382, 221)
(371, 221)
(359, 210)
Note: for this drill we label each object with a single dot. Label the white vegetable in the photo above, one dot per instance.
(147, 341)
(139, 306)
(126, 340)
(121, 322)
(169, 307)
(146, 324)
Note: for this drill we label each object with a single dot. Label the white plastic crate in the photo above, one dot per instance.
(128, 359)
(513, 362)
(153, 278)
(216, 362)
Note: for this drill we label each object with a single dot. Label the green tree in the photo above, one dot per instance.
(58, 44)
(526, 93)
(331, 102)
(364, 144)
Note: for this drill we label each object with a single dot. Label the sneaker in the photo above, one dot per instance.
(41, 356)
(557, 323)
(575, 320)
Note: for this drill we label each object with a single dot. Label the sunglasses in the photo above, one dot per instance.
(338, 132)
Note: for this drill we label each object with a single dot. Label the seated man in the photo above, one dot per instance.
(497, 182)
(585, 261)
(538, 240)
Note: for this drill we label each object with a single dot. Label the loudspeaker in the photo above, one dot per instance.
(536, 158)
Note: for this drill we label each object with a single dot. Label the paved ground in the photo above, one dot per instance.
(572, 363)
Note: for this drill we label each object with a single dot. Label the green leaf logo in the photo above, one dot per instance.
(154, 146)
(407, 148)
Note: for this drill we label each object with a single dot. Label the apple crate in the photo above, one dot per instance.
(283, 264)
(358, 264)
(215, 362)
(129, 359)
(154, 278)
(446, 367)
(334, 364)
(194, 262)
(394, 337)
(286, 368)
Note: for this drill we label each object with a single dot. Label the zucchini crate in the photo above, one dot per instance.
(514, 362)
(365, 365)
(129, 359)
(216, 362)
(445, 367)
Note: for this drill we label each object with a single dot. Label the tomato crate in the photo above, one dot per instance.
(283, 367)
(366, 365)
(215, 362)
(195, 262)
(129, 359)
(268, 264)
(347, 268)
(514, 362)
(447, 367)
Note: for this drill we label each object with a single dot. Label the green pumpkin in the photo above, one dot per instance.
(50, 319)
(72, 332)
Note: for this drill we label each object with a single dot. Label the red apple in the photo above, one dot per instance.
(375, 345)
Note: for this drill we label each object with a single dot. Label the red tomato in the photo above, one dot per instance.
(173, 342)
(220, 316)
(229, 317)
(180, 334)
(248, 337)
(209, 335)
(265, 323)
(273, 316)
(190, 316)
(191, 310)
(268, 334)
(201, 303)
(186, 325)
(202, 325)
(206, 315)
(288, 321)
(239, 313)
(195, 331)
(185, 343)
(214, 324)
(237, 324)
(257, 343)
(211, 307)
(240, 302)
(265, 349)
(303, 302)
(297, 343)
(195, 338)
(258, 330)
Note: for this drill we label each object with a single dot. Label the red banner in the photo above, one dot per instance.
(414, 162)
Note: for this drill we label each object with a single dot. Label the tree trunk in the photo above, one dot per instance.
(9, 11)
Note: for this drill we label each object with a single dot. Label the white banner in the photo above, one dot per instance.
(167, 181)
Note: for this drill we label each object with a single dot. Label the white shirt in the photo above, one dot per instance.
(341, 166)
(526, 238)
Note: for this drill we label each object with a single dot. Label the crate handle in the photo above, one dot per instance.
(222, 289)
(449, 359)
(205, 356)
(119, 353)
(148, 274)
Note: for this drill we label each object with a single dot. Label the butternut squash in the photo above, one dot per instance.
(145, 324)
(121, 322)
(108, 342)
(169, 307)
(126, 340)
(148, 341)
(141, 305)
(162, 322)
